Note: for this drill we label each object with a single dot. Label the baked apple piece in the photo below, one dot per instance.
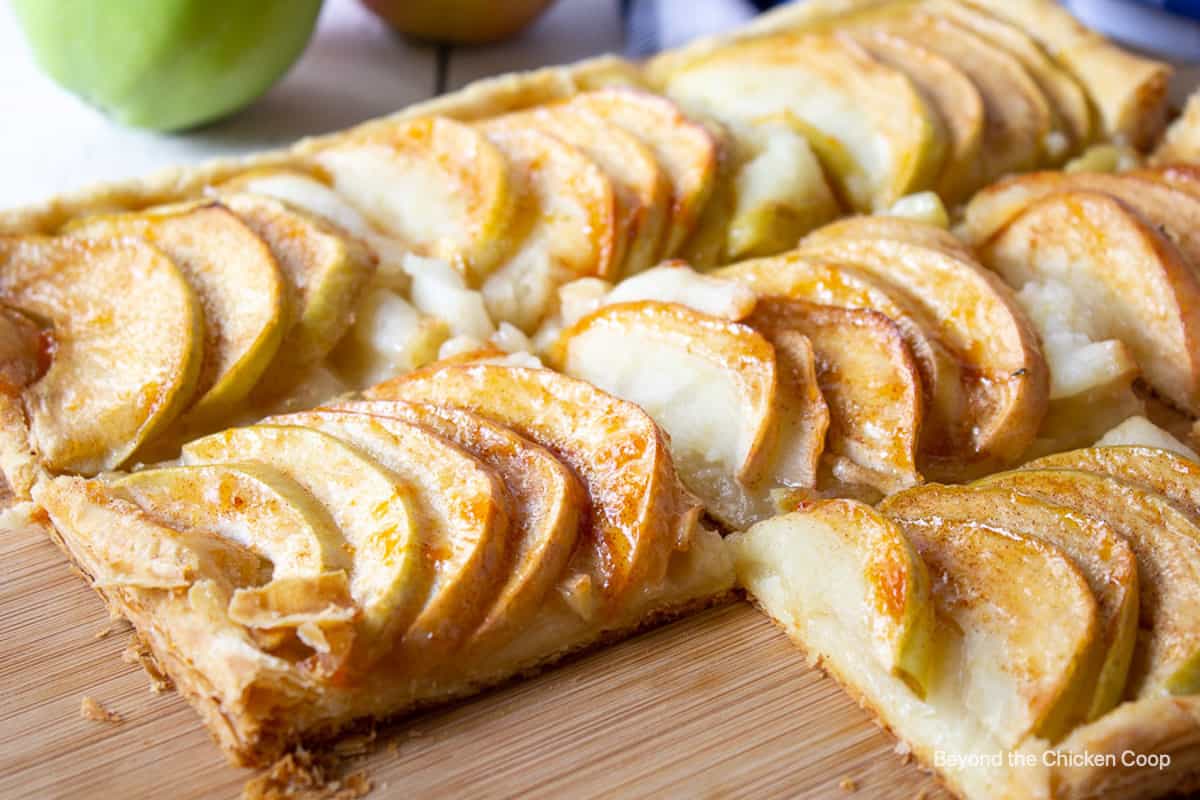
(640, 513)
(439, 186)
(369, 504)
(1166, 544)
(127, 342)
(564, 227)
(640, 187)
(1102, 555)
(716, 387)
(870, 383)
(1131, 282)
(547, 504)
(1004, 375)
(238, 283)
(871, 128)
(326, 271)
(686, 150)
(676, 282)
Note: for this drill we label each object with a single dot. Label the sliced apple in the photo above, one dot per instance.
(1181, 142)
(1167, 546)
(1101, 553)
(1004, 375)
(547, 504)
(890, 227)
(438, 185)
(996, 587)
(950, 93)
(1019, 117)
(676, 282)
(369, 504)
(713, 385)
(388, 337)
(251, 504)
(1140, 432)
(121, 546)
(326, 272)
(1174, 476)
(686, 150)
(841, 564)
(24, 350)
(641, 190)
(304, 191)
(1131, 282)
(565, 225)
(126, 348)
(459, 505)
(871, 128)
(1069, 102)
(640, 512)
(239, 285)
(870, 382)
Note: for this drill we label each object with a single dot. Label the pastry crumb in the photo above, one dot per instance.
(300, 775)
(138, 652)
(91, 709)
(848, 785)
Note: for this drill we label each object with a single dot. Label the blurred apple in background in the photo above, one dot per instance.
(459, 21)
(167, 64)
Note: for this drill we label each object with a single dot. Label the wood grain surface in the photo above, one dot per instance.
(719, 705)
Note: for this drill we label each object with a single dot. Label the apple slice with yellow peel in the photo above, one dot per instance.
(1004, 377)
(565, 225)
(326, 273)
(1069, 102)
(1130, 282)
(368, 503)
(1166, 544)
(1102, 555)
(127, 342)
(547, 504)
(239, 285)
(1150, 468)
(889, 227)
(950, 93)
(436, 184)
(1019, 117)
(119, 545)
(459, 506)
(256, 506)
(640, 186)
(869, 125)
(870, 382)
(713, 385)
(640, 511)
(840, 570)
(995, 587)
(686, 150)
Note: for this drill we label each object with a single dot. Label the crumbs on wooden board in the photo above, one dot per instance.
(848, 785)
(91, 709)
(302, 775)
(138, 652)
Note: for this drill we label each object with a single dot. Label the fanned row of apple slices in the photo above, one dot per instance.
(167, 321)
(459, 525)
(1108, 267)
(876, 352)
(899, 96)
(1055, 607)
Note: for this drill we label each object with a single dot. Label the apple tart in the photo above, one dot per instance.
(404, 411)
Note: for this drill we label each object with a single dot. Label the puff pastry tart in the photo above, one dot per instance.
(401, 412)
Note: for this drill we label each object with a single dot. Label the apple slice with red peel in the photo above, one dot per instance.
(436, 184)
(239, 285)
(640, 513)
(1131, 282)
(870, 382)
(1166, 544)
(547, 506)
(126, 339)
(1101, 553)
(714, 386)
(685, 149)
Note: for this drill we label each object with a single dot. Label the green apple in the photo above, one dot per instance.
(167, 64)
(458, 21)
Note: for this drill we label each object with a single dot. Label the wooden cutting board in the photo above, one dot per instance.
(718, 705)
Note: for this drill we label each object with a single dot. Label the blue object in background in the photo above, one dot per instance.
(1164, 27)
